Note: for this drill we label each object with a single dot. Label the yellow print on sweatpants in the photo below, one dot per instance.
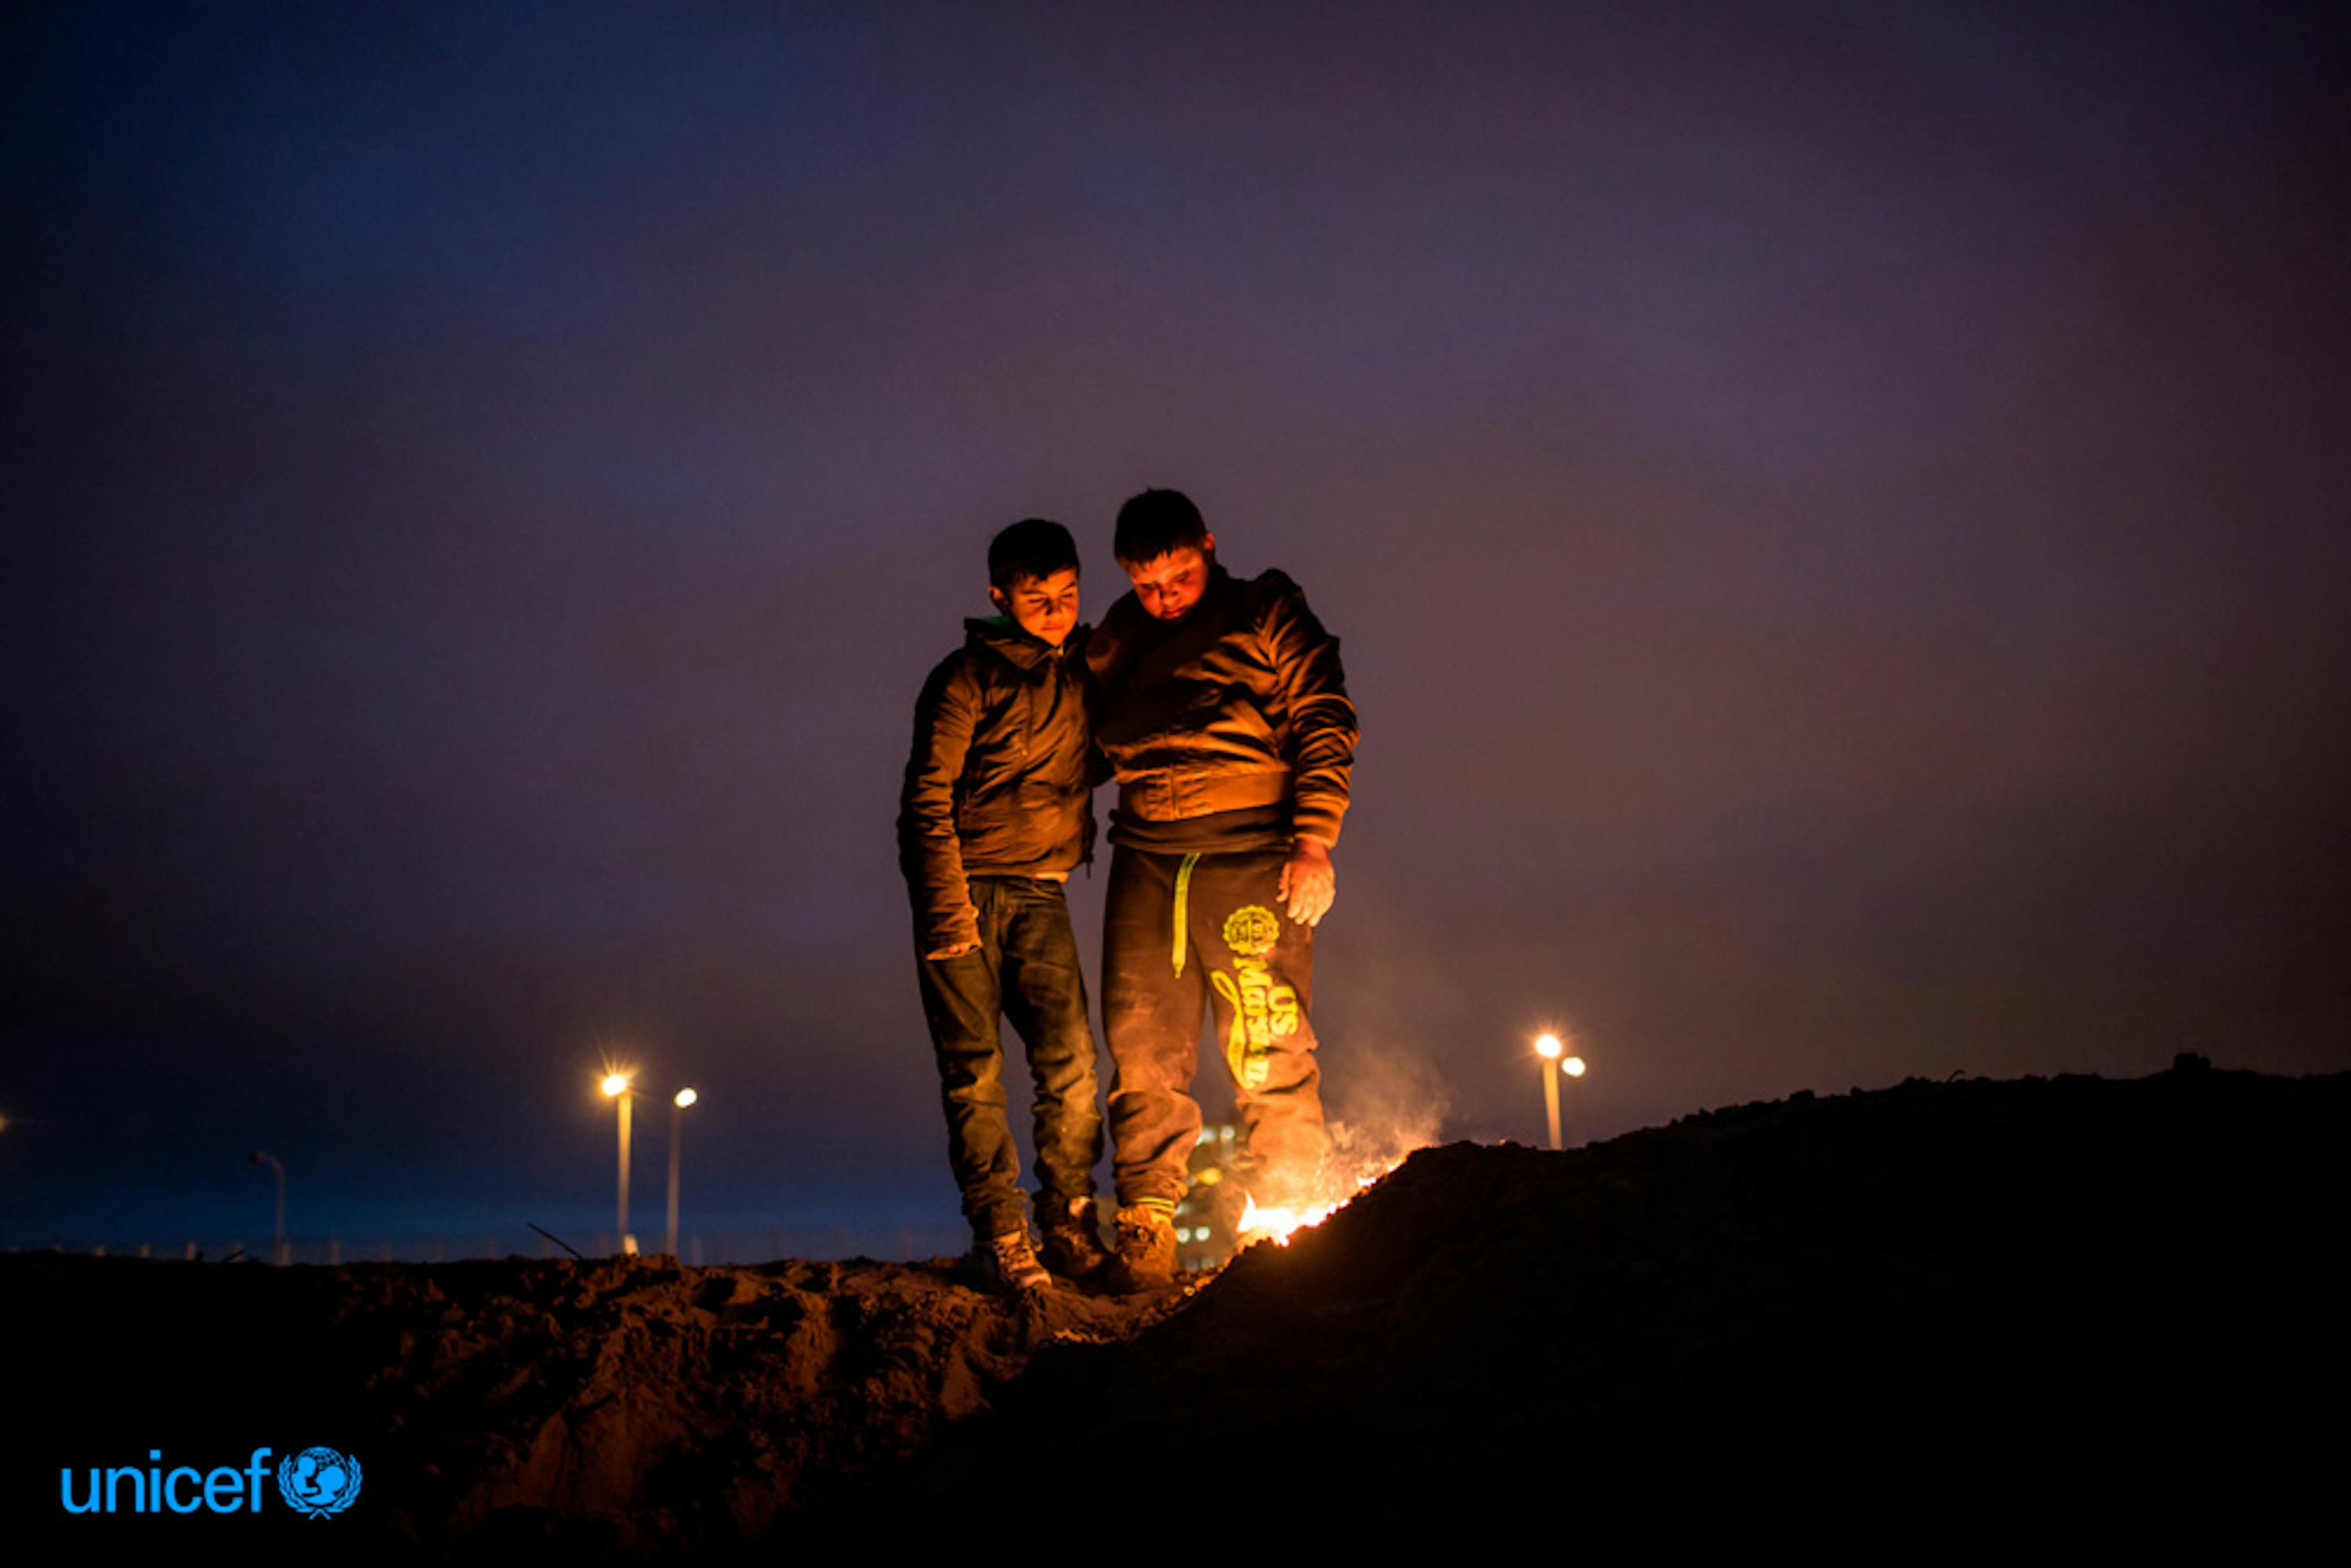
(1263, 1012)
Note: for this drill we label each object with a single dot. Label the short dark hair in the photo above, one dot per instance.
(1030, 548)
(1157, 523)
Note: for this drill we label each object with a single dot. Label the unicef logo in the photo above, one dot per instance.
(319, 1481)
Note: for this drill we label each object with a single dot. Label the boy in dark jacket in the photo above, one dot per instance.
(1222, 710)
(997, 810)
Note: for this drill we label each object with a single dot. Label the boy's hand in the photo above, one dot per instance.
(970, 922)
(1309, 883)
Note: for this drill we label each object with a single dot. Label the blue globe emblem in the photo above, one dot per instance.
(319, 1481)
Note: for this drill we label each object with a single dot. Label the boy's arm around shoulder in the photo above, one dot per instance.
(930, 853)
(1083, 644)
(1312, 684)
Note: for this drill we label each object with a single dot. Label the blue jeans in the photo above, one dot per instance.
(1026, 970)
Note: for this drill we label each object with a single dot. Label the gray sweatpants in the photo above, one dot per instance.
(1182, 934)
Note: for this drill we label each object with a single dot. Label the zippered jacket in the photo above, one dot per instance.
(1240, 705)
(996, 783)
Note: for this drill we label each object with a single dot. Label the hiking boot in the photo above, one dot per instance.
(1073, 1247)
(1008, 1264)
(1146, 1251)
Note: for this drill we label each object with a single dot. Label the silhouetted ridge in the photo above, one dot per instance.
(2030, 1293)
(2051, 1299)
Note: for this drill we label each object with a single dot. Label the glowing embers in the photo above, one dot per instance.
(1279, 1225)
(1218, 1217)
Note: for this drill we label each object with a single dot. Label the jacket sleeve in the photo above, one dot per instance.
(1099, 770)
(930, 853)
(1313, 690)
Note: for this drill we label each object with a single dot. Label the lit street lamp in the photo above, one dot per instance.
(676, 1130)
(1549, 1048)
(1572, 1067)
(616, 1088)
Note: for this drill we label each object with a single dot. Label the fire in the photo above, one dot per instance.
(1279, 1225)
(1357, 1158)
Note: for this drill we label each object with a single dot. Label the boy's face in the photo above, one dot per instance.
(1169, 586)
(1044, 607)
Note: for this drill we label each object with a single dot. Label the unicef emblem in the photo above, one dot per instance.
(319, 1481)
(1251, 930)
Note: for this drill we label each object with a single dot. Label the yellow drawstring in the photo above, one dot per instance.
(1183, 896)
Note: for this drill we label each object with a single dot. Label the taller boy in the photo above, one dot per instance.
(1221, 705)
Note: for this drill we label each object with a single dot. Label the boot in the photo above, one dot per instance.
(1008, 1265)
(1145, 1260)
(1073, 1247)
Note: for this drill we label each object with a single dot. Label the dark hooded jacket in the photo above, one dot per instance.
(998, 782)
(1235, 713)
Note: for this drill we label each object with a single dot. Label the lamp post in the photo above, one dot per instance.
(1548, 1046)
(616, 1088)
(1573, 1066)
(677, 1106)
(278, 1237)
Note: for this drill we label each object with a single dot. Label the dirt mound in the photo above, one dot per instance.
(2026, 1300)
(624, 1407)
(2030, 1293)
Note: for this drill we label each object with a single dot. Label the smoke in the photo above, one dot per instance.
(1390, 1102)
(1385, 998)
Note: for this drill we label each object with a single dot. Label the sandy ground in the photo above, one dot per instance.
(2070, 1299)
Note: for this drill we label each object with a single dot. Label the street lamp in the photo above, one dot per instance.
(279, 1171)
(1549, 1047)
(616, 1088)
(1572, 1067)
(677, 1106)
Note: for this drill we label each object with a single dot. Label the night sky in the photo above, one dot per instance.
(1836, 516)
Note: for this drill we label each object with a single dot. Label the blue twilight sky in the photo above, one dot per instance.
(1836, 516)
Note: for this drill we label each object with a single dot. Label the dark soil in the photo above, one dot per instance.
(2066, 1300)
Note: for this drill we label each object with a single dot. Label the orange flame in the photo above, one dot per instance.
(1279, 1225)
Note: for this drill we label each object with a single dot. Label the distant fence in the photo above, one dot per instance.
(900, 1244)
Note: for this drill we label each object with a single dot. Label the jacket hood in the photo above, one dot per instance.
(1001, 636)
